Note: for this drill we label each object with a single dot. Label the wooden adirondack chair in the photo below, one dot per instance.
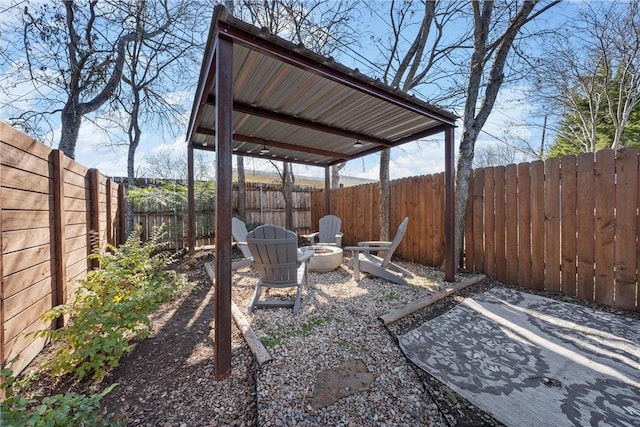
(363, 260)
(239, 233)
(279, 264)
(329, 232)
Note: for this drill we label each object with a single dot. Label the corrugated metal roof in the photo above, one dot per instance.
(300, 106)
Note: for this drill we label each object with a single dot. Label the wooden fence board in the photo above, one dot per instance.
(77, 218)
(524, 225)
(568, 221)
(19, 199)
(31, 314)
(72, 179)
(511, 229)
(586, 225)
(605, 226)
(23, 299)
(14, 283)
(23, 239)
(478, 221)
(499, 177)
(537, 224)
(22, 348)
(18, 260)
(2, 294)
(20, 179)
(74, 192)
(18, 140)
(421, 219)
(438, 220)
(552, 224)
(428, 219)
(626, 256)
(25, 219)
(470, 262)
(74, 269)
(489, 223)
(25, 161)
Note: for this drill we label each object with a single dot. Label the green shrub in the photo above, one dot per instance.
(69, 409)
(111, 306)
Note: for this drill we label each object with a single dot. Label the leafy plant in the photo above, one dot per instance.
(111, 306)
(69, 409)
(306, 329)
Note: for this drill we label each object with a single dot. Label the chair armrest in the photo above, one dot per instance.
(304, 255)
(311, 237)
(375, 243)
(366, 248)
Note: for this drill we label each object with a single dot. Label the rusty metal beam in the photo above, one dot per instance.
(327, 189)
(297, 121)
(449, 207)
(191, 201)
(224, 150)
(204, 86)
(423, 134)
(277, 144)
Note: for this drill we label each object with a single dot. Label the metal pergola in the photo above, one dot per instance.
(261, 96)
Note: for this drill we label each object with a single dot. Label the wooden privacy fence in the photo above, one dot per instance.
(419, 198)
(51, 211)
(264, 204)
(567, 225)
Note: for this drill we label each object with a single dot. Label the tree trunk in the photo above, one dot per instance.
(242, 188)
(288, 181)
(463, 174)
(70, 121)
(385, 194)
(335, 174)
(131, 183)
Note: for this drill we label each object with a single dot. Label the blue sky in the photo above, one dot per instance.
(418, 158)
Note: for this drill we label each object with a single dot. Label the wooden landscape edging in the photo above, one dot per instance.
(425, 302)
(257, 348)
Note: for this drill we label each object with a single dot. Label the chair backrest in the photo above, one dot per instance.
(402, 229)
(239, 233)
(329, 227)
(275, 254)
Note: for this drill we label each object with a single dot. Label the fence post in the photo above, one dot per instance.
(94, 213)
(122, 208)
(109, 214)
(59, 230)
(2, 354)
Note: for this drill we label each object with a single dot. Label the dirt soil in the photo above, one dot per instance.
(168, 380)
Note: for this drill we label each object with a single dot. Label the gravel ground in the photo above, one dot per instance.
(338, 322)
(168, 380)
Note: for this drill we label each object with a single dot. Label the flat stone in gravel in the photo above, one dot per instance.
(350, 377)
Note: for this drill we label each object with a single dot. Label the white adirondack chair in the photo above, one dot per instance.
(364, 260)
(329, 232)
(239, 233)
(279, 264)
